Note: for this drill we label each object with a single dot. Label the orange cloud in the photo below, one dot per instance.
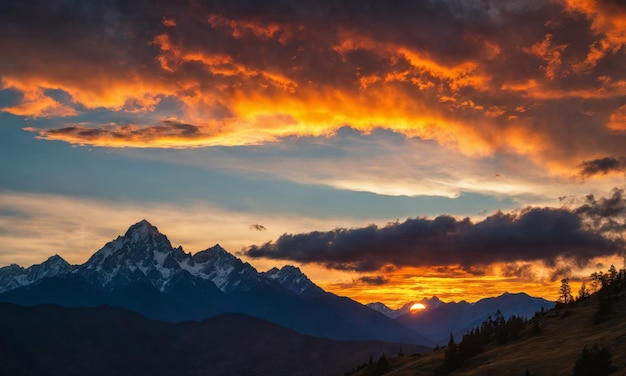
(449, 283)
(617, 122)
(549, 53)
(240, 29)
(606, 88)
(244, 77)
(421, 67)
(34, 102)
(608, 23)
(92, 92)
(169, 22)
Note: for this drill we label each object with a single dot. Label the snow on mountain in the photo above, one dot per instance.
(228, 272)
(14, 276)
(52, 267)
(144, 255)
(141, 271)
(293, 280)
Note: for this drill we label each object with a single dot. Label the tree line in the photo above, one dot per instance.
(594, 360)
(495, 329)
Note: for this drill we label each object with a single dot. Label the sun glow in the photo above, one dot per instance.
(417, 307)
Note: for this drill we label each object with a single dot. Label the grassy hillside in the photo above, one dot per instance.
(564, 331)
(52, 340)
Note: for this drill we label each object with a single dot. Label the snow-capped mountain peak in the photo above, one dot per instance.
(14, 276)
(293, 279)
(144, 255)
(143, 231)
(226, 271)
(55, 265)
(212, 253)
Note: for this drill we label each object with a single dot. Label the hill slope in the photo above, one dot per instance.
(564, 331)
(52, 340)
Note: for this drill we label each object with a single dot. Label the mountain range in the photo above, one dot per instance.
(440, 319)
(429, 303)
(105, 340)
(142, 272)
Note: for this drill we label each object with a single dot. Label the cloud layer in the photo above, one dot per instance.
(540, 79)
(593, 229)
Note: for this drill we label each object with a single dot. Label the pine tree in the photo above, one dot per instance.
(594, 361)
(536, 328)
(565, 292)
(451, 356)
(595, 281)
(583, 292)
(382, 365)
(612, 274)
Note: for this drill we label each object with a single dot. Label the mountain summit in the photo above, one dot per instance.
(293, 279)
(144, 232)
(144, 255)
(14, 276)
(141, 271)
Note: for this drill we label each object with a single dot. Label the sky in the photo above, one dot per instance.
(392, 150)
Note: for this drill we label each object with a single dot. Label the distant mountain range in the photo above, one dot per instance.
(142, 272)
(104, 340)
(430, 304)
(584, 337)
(440, 319)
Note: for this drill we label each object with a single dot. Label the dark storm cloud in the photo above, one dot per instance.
(523, 271)
(373, 280)
(560, 272)
(531, 234)
(602, 166)
(606, 214)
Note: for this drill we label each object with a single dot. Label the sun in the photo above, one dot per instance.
(417, 307)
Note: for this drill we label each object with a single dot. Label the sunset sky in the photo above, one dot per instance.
(392, 150)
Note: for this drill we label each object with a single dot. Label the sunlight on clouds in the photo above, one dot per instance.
(34, 102)
(452, 283)
(608, 22)
(36, 226)
(498, 103)
(462, 88)
(408, 284)
(617, 121)
(387, 163)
